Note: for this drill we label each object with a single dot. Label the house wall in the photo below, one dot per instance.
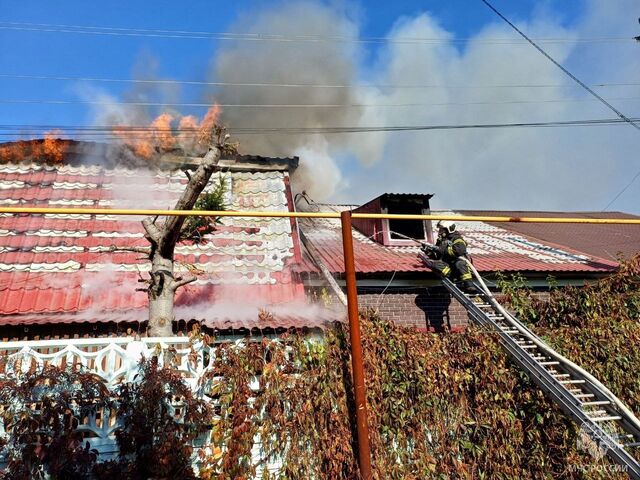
(429, 308)
(424, 308)
(370, 227)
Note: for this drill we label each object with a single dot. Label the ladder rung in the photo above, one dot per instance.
(632, 445)
(606, 419)
(491, 313)
(597, 412)
(594, 403)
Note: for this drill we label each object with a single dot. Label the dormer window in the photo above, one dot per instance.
(391, 232)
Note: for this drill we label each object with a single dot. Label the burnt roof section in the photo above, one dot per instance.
(114, 154)
(601, 240)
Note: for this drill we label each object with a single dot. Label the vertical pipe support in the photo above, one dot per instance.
(364, 451)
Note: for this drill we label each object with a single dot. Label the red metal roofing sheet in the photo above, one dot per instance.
(301, 318)
(60, 267)
(492, 248)
(602, 240)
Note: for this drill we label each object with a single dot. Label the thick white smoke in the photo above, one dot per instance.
(554, 168)
(329, 63)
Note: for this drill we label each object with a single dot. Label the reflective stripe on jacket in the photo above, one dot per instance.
(453, 246)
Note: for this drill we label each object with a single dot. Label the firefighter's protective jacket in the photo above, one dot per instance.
(451, 247)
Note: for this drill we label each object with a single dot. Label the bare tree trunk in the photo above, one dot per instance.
(163, 238)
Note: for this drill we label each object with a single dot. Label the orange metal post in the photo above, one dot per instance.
(364, 452)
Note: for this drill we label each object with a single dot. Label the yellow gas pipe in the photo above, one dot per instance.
(256, 214)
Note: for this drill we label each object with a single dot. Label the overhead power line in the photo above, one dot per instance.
(297, 85)
(296, 105)
(579, 82)
(143, 131)
(288, 38)
(626, 187)
(566, 71)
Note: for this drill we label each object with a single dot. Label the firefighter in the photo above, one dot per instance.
(448, 255)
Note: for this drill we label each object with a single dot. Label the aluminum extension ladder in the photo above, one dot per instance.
(611, 426)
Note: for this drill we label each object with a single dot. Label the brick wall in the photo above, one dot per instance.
(425, 308)
(429, 308)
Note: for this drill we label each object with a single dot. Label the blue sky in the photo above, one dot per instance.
(352, 173)
(57, 53)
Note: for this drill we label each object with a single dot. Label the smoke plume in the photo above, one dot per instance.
(579, 168)
(331, 64)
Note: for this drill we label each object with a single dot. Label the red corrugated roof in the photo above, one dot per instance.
(602, 240)
(493, 248)
(58, 268)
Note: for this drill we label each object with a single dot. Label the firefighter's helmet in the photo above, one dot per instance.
(447, 226)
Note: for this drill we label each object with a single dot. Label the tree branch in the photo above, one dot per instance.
(113, 248)
(171, 229)
(180, 282)
(153, 232)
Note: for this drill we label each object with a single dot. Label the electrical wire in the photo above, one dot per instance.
(111, 131)
(147, 128)
(290, 38)
(294, 85)
(565, 70)
(295, 105)
(624, 189)
(579, 82)
(385, 289)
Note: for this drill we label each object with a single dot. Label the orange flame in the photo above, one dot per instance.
(53, 148)
(50, 149)
(140, 142)
(208, 122)
(159, 136)
(186, 138)
(14, 152)
(162, 131)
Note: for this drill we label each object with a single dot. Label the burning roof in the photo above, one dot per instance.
(77, 267)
